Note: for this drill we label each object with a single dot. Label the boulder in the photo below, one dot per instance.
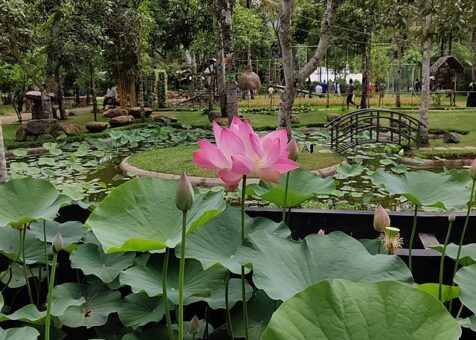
(69, 128)
(96, 126)
(21, 133)
(45, 136)
(294, 119)
(41, 126)
(451, 137)
(223, 122)
(113, 113)
(165, 119)
(135, 111)
(121, 121)
(332, 116)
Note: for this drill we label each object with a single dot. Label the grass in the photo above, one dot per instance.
(160, 160)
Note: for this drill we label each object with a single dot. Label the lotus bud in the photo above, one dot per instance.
(452, 217)
(472, 169)
(184, 193)
(58, 243)
(381, 219)
(195, 325)
(321, 232)
(293, 149)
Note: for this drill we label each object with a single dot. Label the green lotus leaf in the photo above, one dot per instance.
(467, 256)
(283, 267)
(303, 186)
(65, 296)
(465, 279)
(140, 309)
(340, 309)
(10, 246)
(25, 200)
(140, 215)
(448, 293)
(260, 308)
(425, 188)
(20, 152)
(469, 322)
(200, 285)
(28, 314)
(24, 333)
(92, 261)
(346, 170)
(71, 232)
(99, 303)
(14, 276)
(218, 240)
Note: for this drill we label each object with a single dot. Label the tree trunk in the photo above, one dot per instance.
(3, 162)
(226, 10)
(291, 77)
(220, 74)
(425, 90)
(365, 74)
(93, 91)
(473, 45)
(60, 94)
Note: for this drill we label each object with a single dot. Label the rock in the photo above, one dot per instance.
(41, 126)
(45, 136)
(96, 126)
(121, 121)
(69, 128)
(21, 133)
(212, 115)
(31, 138)
(135, 111)
(113, 113)
(72, 113)
(223, 122)
(60, 133)
(165, 119)
(332, 116)
(294, 119)
(451, 137)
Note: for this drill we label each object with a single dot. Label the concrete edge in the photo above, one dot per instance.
(126, 168)
(435, 163)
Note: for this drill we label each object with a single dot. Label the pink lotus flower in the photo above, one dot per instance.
(240, 151)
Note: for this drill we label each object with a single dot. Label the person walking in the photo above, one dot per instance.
(350, 94)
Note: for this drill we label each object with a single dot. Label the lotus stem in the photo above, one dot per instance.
(182, 275)
(465, 226)
(412, 237)
(25, 272)
(45, 244)
(165, 269)
(243, 278)
(442, 260)
(285, 197)
(50, 296)
(227, 306)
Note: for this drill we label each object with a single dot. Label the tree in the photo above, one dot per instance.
(293, 77)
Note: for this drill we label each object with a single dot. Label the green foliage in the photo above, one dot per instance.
(339, 309)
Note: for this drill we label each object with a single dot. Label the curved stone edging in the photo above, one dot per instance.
(202, 181)
(30, 151)
(435, 163)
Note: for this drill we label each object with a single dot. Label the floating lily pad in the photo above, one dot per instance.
(140, 309)
(340, 309)
(346, 170)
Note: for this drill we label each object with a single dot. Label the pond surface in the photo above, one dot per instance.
(88, 170)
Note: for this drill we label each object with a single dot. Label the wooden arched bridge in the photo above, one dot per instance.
(374, 126)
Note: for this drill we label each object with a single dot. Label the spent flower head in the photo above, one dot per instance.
(391, 239)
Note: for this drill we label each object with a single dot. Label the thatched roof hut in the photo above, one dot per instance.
(444, 71)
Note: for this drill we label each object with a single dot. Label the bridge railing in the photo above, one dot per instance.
(381, 126)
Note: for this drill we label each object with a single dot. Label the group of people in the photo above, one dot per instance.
(323, 88)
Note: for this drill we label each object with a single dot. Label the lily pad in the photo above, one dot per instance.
(71, 232)
(346, 170)
(340, 309)
(92, 261)
(140, 215)
(25, 200)
(24, 333)
(99, 303)
(303, 186)
(140, 309)
(448, 293)
(425, 188)
(65, 296)
(10, 246)
(282, 267)
(29, 314)
(200, 285)
(467, 256)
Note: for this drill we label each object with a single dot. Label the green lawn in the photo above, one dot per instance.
(159, 160)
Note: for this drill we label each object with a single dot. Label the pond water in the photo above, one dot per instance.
(88, 170)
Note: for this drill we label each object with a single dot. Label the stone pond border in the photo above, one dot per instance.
(127, 168)
(435, 163)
